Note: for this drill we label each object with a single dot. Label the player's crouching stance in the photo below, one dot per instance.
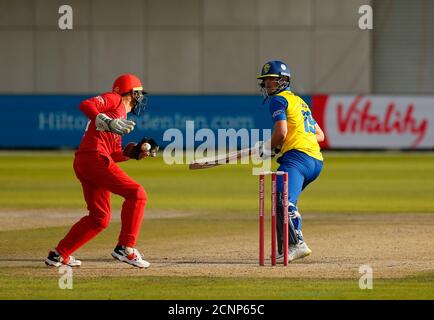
(95, 166)
(296, 135)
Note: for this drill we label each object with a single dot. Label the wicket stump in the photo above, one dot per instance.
(273, 217)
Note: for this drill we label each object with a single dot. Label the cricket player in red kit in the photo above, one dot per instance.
(95, 166)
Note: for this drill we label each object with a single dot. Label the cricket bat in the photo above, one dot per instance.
(210, 162)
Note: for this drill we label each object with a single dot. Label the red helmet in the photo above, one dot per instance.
(126, 83)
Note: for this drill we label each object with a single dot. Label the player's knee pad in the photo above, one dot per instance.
(295, 216)
(292, 235)
(296, 220)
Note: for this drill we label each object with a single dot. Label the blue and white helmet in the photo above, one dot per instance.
(278, 70)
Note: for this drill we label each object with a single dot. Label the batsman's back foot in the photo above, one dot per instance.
(298, 251)
(295, 251)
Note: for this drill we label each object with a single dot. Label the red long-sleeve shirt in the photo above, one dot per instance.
(103, 142)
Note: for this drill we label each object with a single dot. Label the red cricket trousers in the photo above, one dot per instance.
(99, 176)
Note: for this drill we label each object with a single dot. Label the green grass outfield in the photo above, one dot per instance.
(350, 182)
(185, 288)
(359, 183)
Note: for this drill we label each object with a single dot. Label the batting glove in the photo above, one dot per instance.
(263, 150)
(117, 126)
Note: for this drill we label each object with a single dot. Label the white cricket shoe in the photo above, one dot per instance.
(131, 256)
(54, 259)
(298, 251)
(295, 251)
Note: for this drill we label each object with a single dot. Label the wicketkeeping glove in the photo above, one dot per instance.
(118, 126)
(146, 147)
